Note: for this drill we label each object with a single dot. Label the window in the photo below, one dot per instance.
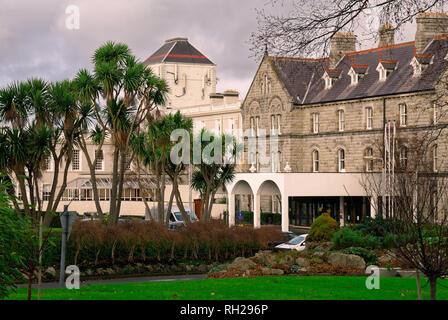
(46, 191)
(436, 113)
(369, 159)
(404, 157)
(315, 161)
(279, 123)
(276, 161)
(218, 127)
(99, 164)
(49, 163)
(76, 160)
(341, 120)
(341, 160)
(252, 126)
(369, 118)
(257, 162)
(128, 161)
(434, 158)
(257, 126)
(403, 115)
(315, 123)
(273, 131)
(328, 82)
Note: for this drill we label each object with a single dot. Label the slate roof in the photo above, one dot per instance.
(303, 77)
(177, 50)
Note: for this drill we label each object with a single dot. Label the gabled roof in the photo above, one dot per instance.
(177, 50)
(303, 77)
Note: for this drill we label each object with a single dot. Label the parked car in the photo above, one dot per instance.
(176, 219)
(297, 243)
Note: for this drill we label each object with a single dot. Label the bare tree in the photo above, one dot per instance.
(308, 25)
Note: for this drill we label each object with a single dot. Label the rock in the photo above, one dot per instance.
(408, 273)
(318, 254)
(325, 246)
(302, 262)
(346, 260)
(100, 271)
(203, 268)
(50, 273)
(148, 268)
(277, 272)
(188, 268)
(266, 271)
(89, 272)
(265, 257)
(386, 259)
(242, 264)
(109, 271)
(288, 260)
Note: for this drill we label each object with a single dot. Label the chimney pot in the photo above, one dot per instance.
(341, 44)
(387, 36)
(429, 25)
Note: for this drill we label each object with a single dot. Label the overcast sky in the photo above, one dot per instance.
(35, 42)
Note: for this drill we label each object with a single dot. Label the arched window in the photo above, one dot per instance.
(341, 160)
(368, 154)
(315, 161)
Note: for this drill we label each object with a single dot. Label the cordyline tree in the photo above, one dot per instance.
(123, 93)
(414, 199)
(215, 168)
(152, 147)
(40, 106)
(307, 26)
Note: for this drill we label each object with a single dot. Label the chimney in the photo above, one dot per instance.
(231, 97)
(387, 36)
(216, 99)
(341, 44)
(429, 25)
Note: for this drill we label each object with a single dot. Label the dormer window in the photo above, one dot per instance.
(385, 68)
(330, 76)
(420, 62)
(357, 71)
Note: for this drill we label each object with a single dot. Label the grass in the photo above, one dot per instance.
(263, 288)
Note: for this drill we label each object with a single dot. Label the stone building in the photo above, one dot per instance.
(328, 116)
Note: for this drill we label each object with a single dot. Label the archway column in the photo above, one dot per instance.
(285, 212)
(231, 208)
(257, 213)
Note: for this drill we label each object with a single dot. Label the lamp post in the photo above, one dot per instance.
(67, 220)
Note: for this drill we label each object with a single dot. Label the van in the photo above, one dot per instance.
(176, 219)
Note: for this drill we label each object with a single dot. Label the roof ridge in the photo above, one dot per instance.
(380, 48)
(168, 52)
(299, 59)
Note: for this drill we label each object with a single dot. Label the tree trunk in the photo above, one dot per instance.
(419, 286)
(113, 196)
(120, 183)
(433, 287)
(170, 205)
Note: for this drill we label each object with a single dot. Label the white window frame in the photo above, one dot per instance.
(341, 160)
(79, 160)
(49, 163)
(252, 126)
(97, 168)
(46, 194)
(369, 118)
(279, 123)
(341, 120)
(369, 162)
(257, 126)
(435, 158)
(273, 130)
(403, 114)
(403, 157)
(218, 126)
(315, 123)
(316, 161)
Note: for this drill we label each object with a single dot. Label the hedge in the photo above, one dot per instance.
(92, 243)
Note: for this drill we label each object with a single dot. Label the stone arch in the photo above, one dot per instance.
(276, 105)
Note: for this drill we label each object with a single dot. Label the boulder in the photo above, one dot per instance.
(109, 271)
(89, 272)
(387, 258)
(318, 254)
(203, 268)
(324, 246)
(288, 260)
(265, 257)
(302, 262)
(100, 271)
(148, 268)
(346, 260)
(277, 272)
(50, 273)
(242, 264)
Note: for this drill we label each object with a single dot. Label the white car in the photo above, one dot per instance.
(297, 243)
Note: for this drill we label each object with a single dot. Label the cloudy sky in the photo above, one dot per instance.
(35, 42)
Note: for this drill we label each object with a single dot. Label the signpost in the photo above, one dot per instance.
(67, 220)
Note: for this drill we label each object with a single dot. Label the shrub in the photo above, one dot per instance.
(346, 238)
(369, 256)
(322, 229)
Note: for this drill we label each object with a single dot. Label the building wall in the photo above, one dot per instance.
(297, 140)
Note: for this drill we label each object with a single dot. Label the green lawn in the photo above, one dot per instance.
(269, 288)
